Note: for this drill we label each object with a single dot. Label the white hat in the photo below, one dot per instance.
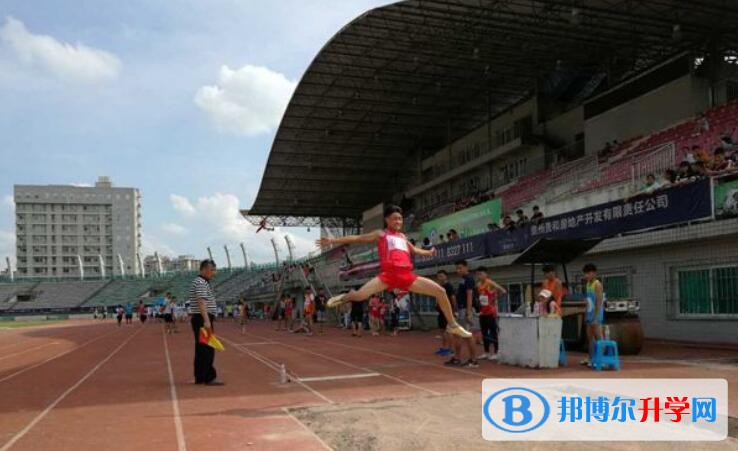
(545, 294)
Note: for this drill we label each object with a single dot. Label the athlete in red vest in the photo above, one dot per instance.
(396, 268)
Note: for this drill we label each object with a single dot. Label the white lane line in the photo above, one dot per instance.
(340, 377)
(304, 426)
(54, 357)
(276, 368)
(256, 344)
(181, 445)
(29, 350)
(351, 365)
(48, 409)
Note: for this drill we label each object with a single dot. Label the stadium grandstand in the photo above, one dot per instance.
(617, 121)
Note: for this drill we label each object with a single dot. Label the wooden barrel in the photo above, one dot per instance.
(627, 331)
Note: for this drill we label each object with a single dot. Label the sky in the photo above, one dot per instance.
(180, 99)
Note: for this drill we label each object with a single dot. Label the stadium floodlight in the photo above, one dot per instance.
(228, 255)
(102, 265)
(210, 253)
(245, 256)
(122, 266)
(290, 247)
(81, 268)
(276, 252)
(141, 268)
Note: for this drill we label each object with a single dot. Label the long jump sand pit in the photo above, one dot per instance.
(446, 422)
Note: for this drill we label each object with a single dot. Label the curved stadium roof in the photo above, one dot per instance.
(410, 77)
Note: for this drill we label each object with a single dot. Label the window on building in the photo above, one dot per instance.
(616, 286)
(708, 291)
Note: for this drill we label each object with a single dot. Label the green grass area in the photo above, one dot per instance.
(22, 324)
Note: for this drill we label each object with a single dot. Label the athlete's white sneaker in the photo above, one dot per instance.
(336, 301)
(492, 357)
(457, 330)
(482, 356)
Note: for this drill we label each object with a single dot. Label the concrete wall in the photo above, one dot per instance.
(566, 126)
(660, 108)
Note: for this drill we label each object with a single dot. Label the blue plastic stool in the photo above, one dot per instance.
(562, 354)
(606, 354)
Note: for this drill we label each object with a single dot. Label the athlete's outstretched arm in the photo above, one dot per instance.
(366, 238)
(422, 252)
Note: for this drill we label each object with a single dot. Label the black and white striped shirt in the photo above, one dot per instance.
(201, 289)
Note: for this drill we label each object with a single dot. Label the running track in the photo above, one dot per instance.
(96, 386)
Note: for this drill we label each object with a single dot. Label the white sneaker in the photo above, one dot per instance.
(492, 357)
(482, 356)
(336, 301)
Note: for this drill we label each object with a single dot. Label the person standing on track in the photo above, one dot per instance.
(129, 313)
(446, 339)
(320, 302)
(142, 311)
(169, 315)
(375, 308)
(488, 290)
(309, 309)
(119, 314)
(243, 314)
(203, 310)
(396, 268)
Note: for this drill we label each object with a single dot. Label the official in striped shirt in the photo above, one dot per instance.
(202, 309)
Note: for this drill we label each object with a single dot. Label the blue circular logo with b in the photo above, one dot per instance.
(516, 410)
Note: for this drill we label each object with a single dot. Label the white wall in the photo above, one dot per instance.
(670, 103)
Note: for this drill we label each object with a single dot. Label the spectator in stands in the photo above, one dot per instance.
(727, 142)
(703, 125)
(699, 169)
(453, 235)
(537, 217)
(508, 224)
(684, 172)
(700, 154)
(491, 227)
(441, 240)
(521, 219)
(650, 185)
(426, 243)
(669, 178)
(719, 164)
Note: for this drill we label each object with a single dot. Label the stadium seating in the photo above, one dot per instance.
(119, 292)
(8, 292)
(60, 295)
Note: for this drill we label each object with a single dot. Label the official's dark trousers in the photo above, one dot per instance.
(204, 354)
(488, 324)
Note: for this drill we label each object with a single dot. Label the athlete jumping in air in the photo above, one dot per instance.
(396, 268)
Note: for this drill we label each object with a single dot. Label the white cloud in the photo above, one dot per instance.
(9, 201)
(182, 205)
(82, 185)
(151, 244)
(73, 62)
(218, 221)
(174, 229)
(249, 101)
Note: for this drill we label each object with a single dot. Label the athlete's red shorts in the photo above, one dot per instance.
(400, 279)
